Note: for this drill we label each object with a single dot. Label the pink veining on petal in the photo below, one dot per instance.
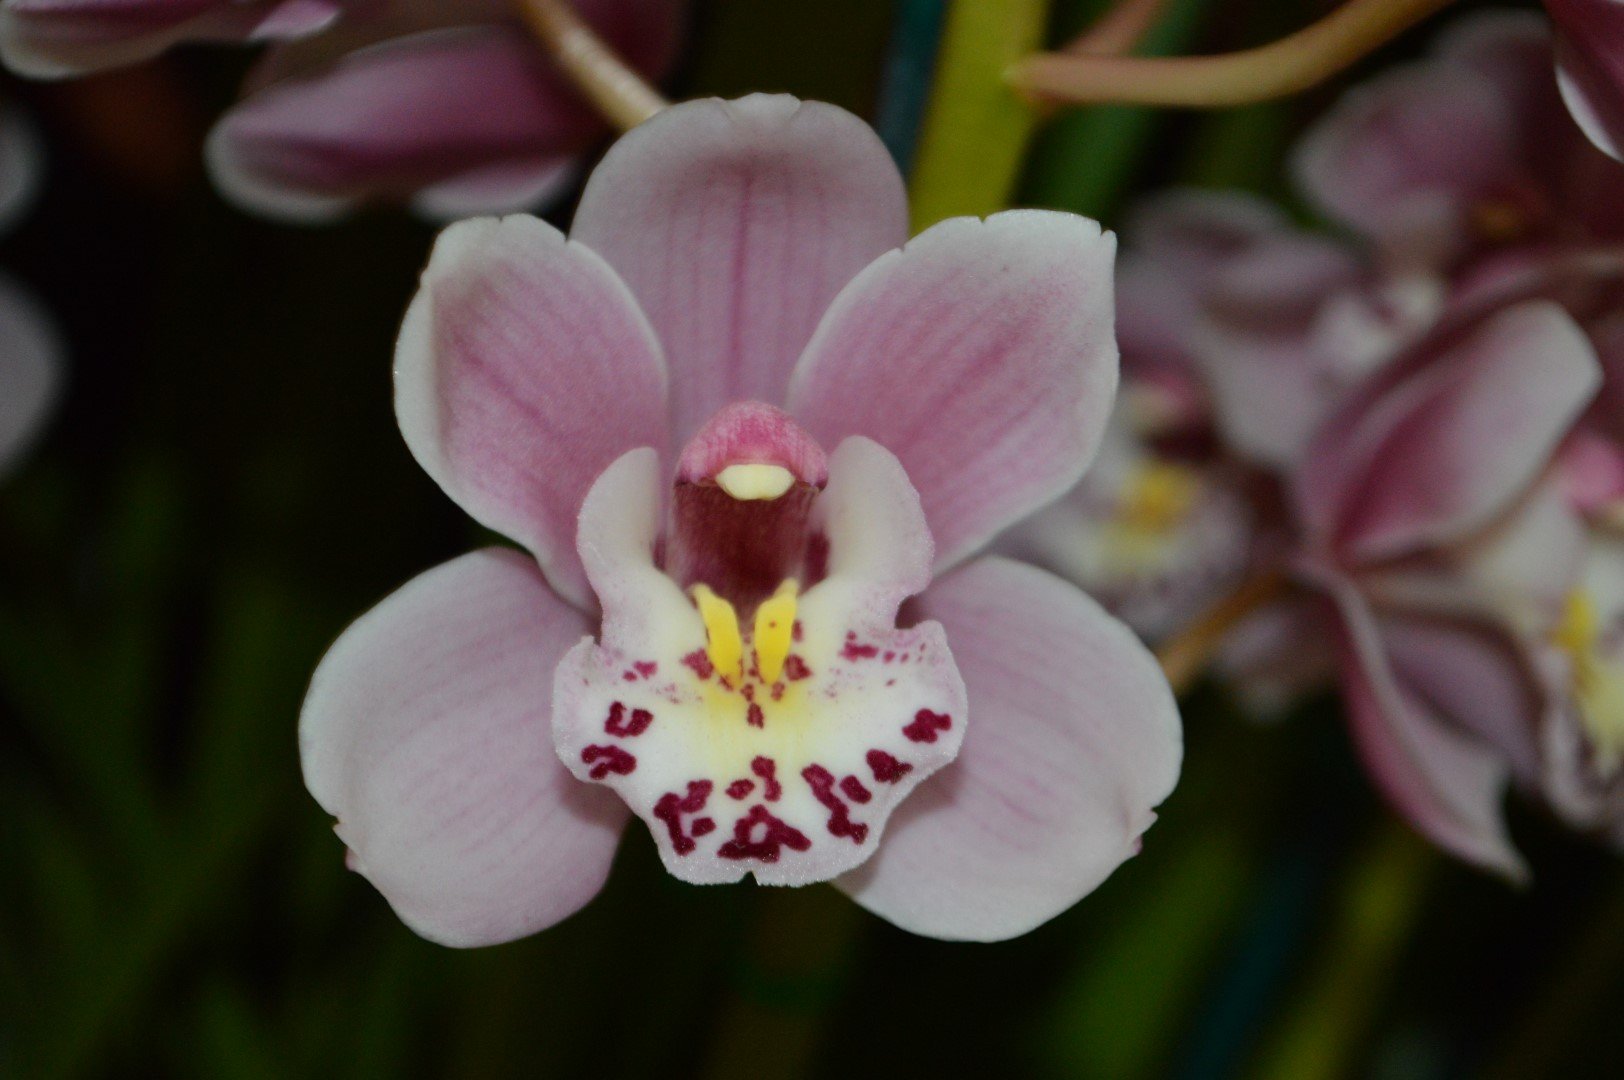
(752, 433)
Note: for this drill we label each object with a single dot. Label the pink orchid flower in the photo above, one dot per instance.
(736, 424)
(1436, 526)
(30, 350)
(54, 38)
(452, 108)
(1467, 150)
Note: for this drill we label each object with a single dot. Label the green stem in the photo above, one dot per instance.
(1280, 68)
(799, 953)
(1379, 905)
(976, 127)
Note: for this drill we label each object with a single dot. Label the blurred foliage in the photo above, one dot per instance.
(224, 489)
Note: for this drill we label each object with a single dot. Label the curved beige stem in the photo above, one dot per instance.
(1184, 655)
(618, 92)
(1278, 69)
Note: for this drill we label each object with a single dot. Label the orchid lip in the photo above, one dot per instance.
(765, 732)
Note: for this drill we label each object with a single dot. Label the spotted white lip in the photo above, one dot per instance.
(776, 745)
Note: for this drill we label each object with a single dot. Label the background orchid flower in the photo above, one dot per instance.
(1435, 527)
(452, 107)
(707, 620)
(55, 38)
(1466, 151)
(30, 352)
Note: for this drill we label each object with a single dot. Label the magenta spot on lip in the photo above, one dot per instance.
(887, 769)
(671, 807)
(609, 759)
(646, 668)
(699, 664)
(795, 668)
(740, 789)
(701, 826)
(822, 783)
(754, 717)
(852, 650)
(925, 726)
(854, 790)
(767, 769)
(617, 724)
(776, 836)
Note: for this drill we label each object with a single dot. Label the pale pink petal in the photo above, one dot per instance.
(1260, 346)
(30, 371)
(523, 369)
(1448, 783)
(22, 165)
(501, 188)
(1073, 738)
(1455, 444)
(1590, 67)
(55, 38)
(1404, 157)
(735, 224)
(1173, 245)
(982, 355)
(1472, 677)
(388, 121)
(426, 733)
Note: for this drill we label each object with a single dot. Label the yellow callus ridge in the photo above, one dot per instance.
(724, 645)
(775, 630)
(1598, 684)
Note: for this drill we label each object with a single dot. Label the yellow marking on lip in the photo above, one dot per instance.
(755, 482)
(1598, 684)
(775, 630)
(723, 642)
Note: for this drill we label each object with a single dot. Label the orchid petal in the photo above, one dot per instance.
(1403, 158)
(425, 733)
(30, 371)
(1447, 782)
(982, 355)
(395, 118)
(1456, 444)
(524, 368)
(1073, 738)
(1590, 67)
(735, 224)
(54, 38)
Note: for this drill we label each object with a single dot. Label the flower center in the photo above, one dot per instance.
(759, 729)
(1598, 679)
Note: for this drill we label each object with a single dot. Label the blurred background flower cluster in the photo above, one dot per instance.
(1364, 487)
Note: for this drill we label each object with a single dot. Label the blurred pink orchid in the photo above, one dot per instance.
(55, 38)
(30, 351)
(749, 688)
(453, 108)
(1467, 151)
(1437, 524)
